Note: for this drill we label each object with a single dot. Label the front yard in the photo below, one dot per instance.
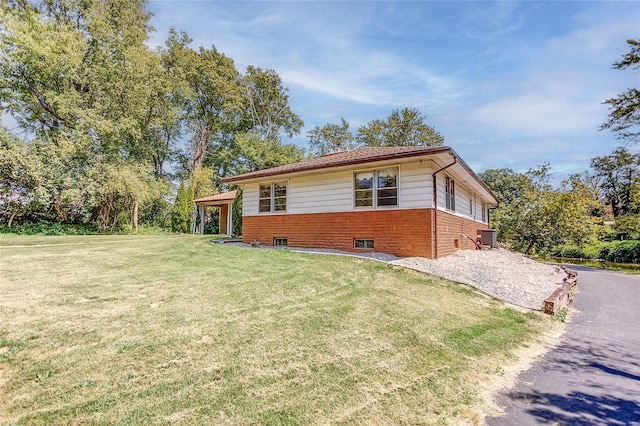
(174, 329)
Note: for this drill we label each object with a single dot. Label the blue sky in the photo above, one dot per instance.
(508, 84)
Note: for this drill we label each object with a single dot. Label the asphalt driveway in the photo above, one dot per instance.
(593, 376)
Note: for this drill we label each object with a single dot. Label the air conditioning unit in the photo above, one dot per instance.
(488, 237)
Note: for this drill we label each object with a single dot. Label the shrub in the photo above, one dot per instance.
(622, 252)
(48, 228)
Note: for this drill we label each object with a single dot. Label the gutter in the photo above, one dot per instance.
(435, 204)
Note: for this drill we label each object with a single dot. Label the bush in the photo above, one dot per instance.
(621, 252)
(55, 228)
(48, 228)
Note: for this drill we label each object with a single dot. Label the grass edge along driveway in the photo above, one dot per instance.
(174, 329)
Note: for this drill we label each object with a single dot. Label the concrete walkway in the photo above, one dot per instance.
(593, 376)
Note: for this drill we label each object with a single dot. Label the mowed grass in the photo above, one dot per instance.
(177, 330)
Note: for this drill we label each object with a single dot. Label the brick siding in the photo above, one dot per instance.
(452, 230)
(397, 232)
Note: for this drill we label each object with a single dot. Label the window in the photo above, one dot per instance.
(280, 242)
(363, 243)
(273, 197)
(387, 187)
(377, 188)
(472, 204)
(484, 211)
(450, 193)
(364, 189)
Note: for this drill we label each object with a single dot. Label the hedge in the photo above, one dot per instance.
(622, 252)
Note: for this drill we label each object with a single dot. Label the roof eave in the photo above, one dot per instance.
(267, 173)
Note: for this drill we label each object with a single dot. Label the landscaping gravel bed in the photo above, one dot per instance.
(500, 273)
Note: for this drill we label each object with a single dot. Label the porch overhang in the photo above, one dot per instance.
(224, 202)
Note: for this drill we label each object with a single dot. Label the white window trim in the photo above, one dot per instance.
(485, 212)
(273, 197)
(375, 188)
(447, 195)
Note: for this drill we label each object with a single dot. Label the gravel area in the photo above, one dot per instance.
(383, 257)
(499, 273)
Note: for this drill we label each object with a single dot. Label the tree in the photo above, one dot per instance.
(36, 52)
(267, 103)
(331, 138)
(535, 216)
(182, 213)
(618, 176)
(20, 176)
(83, 69)
(250, 153)
(506, 184)
(208, 93)
(624, 115)
(401, 128)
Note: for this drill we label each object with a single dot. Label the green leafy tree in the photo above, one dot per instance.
(533, 216)
(267, 104)
(36, 52)
(508, 187)
(402, 128)
(182, 213)
(81, 70)
(203, 182)
(331, 138)
(21, 175)
(123, 190)
(624, 115)
(208, 93)
(618, 176)
(250, 153)
(628, 226)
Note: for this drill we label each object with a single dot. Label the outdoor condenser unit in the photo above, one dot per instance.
(488, 238)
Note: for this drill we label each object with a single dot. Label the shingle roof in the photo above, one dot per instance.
(225, 196)
(345, 158)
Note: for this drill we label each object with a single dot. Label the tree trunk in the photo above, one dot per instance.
(134, 216)
(526, 253)
(57, 204)
(11, 219)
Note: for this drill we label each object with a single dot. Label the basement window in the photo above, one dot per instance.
(363, 243)
(280, 242)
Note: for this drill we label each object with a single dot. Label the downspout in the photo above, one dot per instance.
(435, 206)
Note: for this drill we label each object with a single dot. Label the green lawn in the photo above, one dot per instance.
(174, 329)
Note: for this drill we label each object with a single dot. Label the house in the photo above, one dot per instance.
(406, 201)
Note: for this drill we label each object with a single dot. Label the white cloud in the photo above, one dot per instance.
(509, 84)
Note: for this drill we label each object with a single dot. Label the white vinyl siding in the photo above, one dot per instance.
(330, 192)
(250, 199)
(334, 191)
(462, 199)
(416, 184)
